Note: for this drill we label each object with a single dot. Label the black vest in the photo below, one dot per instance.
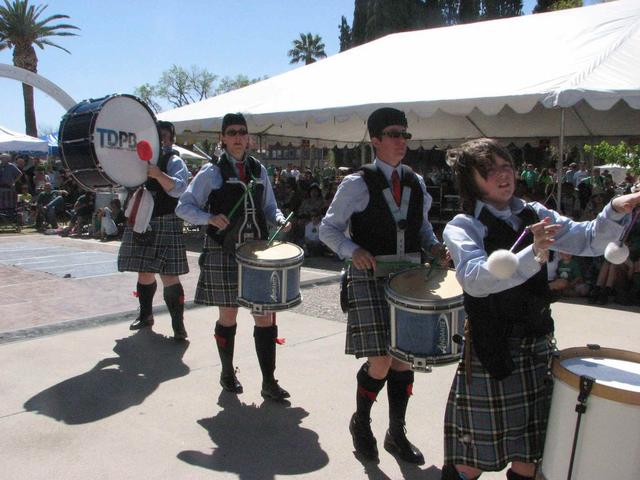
(229, 194)
(521, 311)
(374, 229)
(163, 203)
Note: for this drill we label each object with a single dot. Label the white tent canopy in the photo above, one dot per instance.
(188, 155)
(504, 79)
(11, 141)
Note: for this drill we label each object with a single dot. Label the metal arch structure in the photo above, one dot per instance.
(39, 82)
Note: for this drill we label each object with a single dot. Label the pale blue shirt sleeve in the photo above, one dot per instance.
(427, 236)
(192, 201)
(352, 196)
(464, 237)
(179, 173)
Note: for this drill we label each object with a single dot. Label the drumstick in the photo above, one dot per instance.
(201, 152)
(286, 220)
(144, 150)
(390, 263)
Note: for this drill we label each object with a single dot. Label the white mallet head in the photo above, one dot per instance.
(616, 253)
(502, 264)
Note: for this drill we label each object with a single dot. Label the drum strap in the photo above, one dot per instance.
(586, 384)
(399, 213)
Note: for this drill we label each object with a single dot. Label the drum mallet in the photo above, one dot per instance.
(503, 263)
(273, 237)
(144, 150)
(618, 252)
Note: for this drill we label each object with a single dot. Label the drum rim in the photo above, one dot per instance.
(411, 302)
(270, 264)
(604, 391)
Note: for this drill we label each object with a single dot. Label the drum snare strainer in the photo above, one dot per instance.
(426, 317)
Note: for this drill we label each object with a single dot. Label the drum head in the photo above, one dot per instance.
(123, 122)
(425, 284)
(278, 252)
(616, 372)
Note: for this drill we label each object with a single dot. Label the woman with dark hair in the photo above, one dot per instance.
(234, 177)
(501, 389)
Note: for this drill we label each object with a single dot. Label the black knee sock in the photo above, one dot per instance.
(174, 298)
(511, 475)
(225, 340)
(367, 392)
(449, 472)
(145, 298)
(265, 341)
(399, 389)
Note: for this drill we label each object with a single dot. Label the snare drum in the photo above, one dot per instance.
(98, 140)
(269, 276)
(427, 317)
(608, 444)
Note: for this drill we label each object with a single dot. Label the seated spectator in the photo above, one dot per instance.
(82, 213)
(569, 281)
(312, 245)
(49, 204)
(313, 202)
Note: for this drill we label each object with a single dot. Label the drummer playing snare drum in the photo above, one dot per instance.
(498, 404)
(235, 179)
(385, 204)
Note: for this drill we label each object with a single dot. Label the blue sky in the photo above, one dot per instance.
(126, 43)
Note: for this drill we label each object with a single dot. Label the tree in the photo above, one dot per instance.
(345, 34)
(20, 29)
(307, 49)
(552, 5)
(146, 93)
(228, 84)
(181, 87)
(621, 154)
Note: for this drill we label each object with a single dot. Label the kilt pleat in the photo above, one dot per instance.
(218, 281)
(491, 423)
(368, 315)
(166, 255)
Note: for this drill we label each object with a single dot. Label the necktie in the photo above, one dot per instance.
(240, 167)
(395, 187)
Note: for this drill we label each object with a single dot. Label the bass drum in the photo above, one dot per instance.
(98, 141)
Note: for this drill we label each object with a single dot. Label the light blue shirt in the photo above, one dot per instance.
(464, 237)
(179, 173)
(191, 203)
(352, 197)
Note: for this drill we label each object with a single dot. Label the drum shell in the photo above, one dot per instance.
(268, 285)
(91, 167)
(425, 332)
(609, 440)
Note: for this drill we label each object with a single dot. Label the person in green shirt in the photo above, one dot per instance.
(569, 282)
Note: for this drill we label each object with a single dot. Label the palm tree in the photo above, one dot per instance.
(20, 29)
(307, 49)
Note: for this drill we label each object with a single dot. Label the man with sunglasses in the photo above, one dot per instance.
(385, 206)
(235, 179)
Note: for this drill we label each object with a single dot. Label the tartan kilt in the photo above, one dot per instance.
(367, 315)
(493, 422)
(167, 254)
(218, 281)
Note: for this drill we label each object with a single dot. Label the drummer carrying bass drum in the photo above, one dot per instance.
(161, 249)
(385, 205)
(236, 179)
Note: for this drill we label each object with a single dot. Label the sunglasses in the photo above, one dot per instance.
(397, 134)
(232, 133)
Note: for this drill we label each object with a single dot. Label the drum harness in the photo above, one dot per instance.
(399, 213)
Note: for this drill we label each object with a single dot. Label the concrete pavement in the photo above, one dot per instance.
(107, 403)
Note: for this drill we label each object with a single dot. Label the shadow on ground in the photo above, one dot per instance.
(144, 361)
(258, 441)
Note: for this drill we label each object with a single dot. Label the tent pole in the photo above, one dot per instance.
(560, 161)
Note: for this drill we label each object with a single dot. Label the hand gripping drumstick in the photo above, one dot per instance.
(618, 252)
(273, 237)
(503, 263)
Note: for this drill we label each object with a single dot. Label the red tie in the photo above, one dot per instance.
(240, 167)
(395, 186)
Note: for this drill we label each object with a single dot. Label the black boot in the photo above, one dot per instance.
(145, 298)
(511, 475)
(399, 385)
(360, 425)
(265, 340)
(225, 340)
(449, 472)
(174, 298)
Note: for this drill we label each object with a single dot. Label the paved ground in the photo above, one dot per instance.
(87, 398)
